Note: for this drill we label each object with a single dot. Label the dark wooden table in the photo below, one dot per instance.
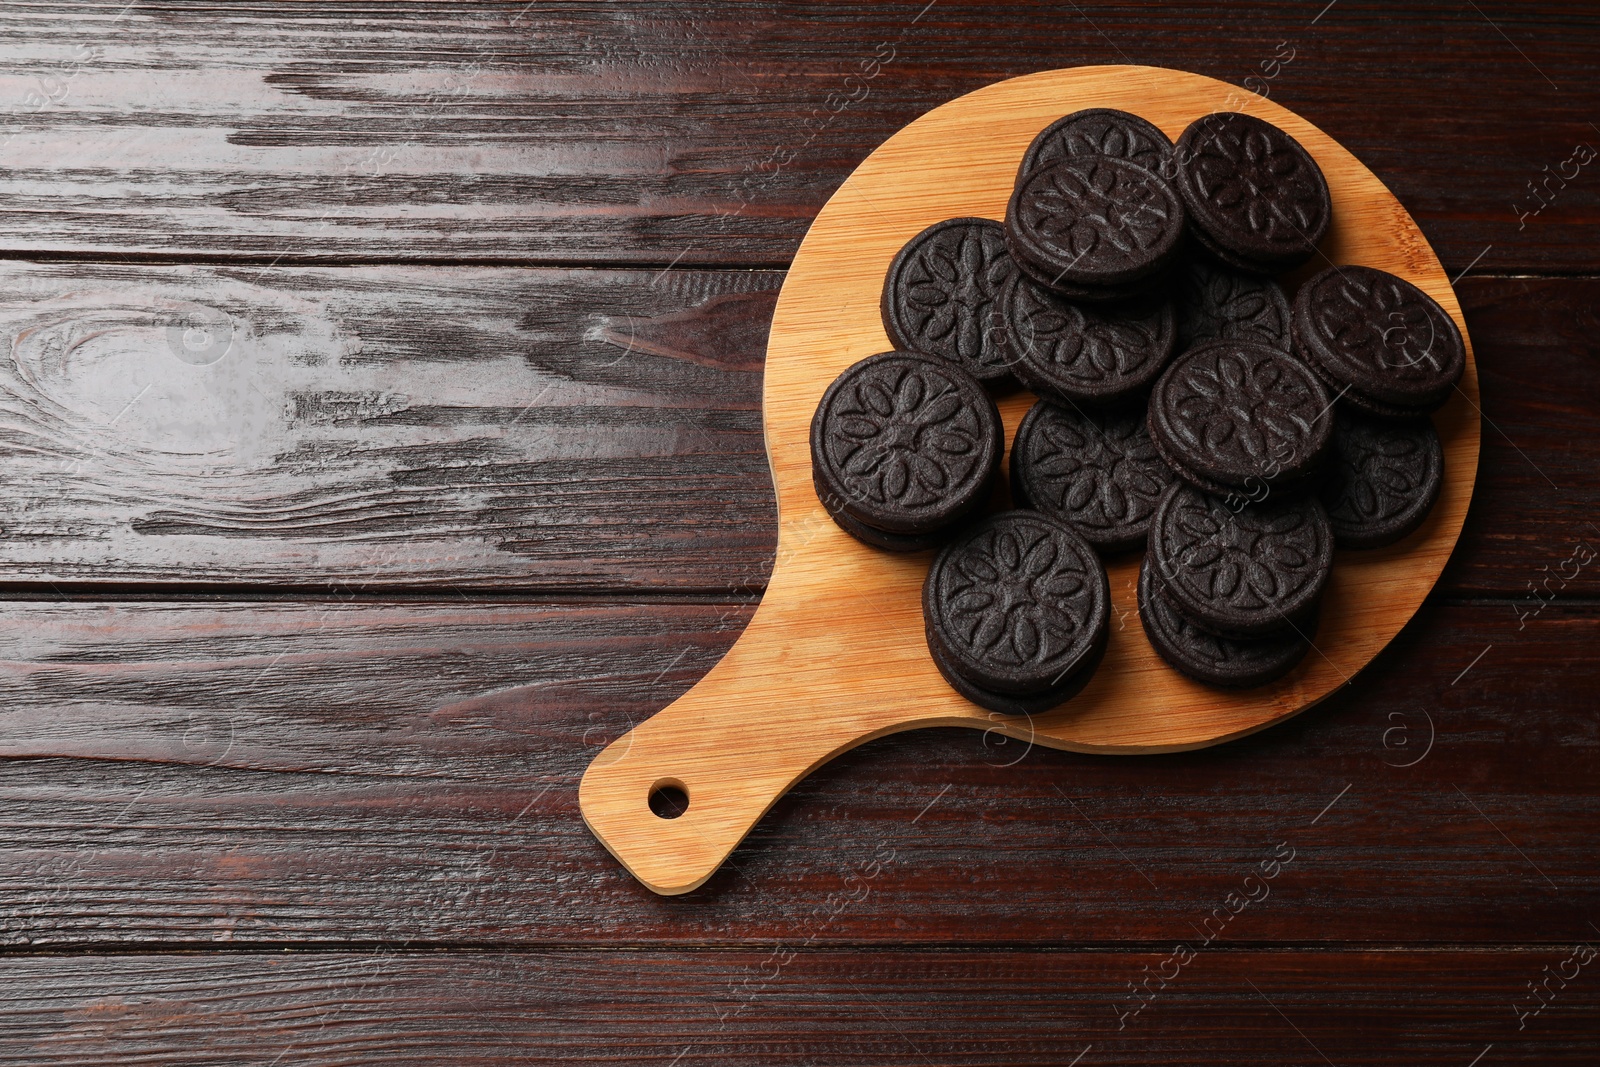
(382, 436)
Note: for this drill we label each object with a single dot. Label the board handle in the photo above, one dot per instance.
(725, 759)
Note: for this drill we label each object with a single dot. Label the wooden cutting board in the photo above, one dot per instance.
(835, 655)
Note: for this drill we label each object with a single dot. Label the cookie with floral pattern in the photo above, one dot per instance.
(868, 535)
(1100, 131)
(1225, 662)
(1241, 419)
(1380, 343)
(1253, 195)
(1075, 353)
(1241, 572)
(942, 294)
(1096, 470)
(1384, 478)
(1018, 606)
(1096, 294)
(905, 444)
(1094, 221)
(1011, 703)
(1217, 303)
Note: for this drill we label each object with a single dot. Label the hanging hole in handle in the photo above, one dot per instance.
(669, 798)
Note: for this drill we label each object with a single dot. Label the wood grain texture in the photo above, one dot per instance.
(393, 427)
(980, 1007)
(836, 654)
(1535, 500)
(523, 429)
(319, 773)
(639, 132)
(406, 772)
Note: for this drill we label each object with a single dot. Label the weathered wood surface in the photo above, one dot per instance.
(466, 424)
(406, 772)
(796, 1005)
(537, 429)
(642, 132)
(394, 426)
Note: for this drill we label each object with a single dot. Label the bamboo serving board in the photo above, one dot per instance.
(835, 654)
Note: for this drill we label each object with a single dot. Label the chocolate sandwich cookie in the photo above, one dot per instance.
(1095, 470)
(1244, 419)
(1217, 303)
(1097, 294)
(893, 542)
(941, 295)
(1384, 479)
(1071, 352)
(906, 445)
(1010, 703)
(1100, 131)
(1254, 197)
(1017, 611)
(1380, 343)
(1244, 573)
(1094, 222)
(1226, 662)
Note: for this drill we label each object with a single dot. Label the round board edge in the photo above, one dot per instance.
(1417, 261)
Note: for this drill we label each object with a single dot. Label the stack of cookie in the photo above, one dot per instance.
(1391, 356)
(1017, 612)
(1186, 406)
(903, 447)
(1093, 216)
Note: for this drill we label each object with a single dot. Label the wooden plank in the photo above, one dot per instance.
(283, 772)
(1351, 1008)
(1534, 504)
(644, 132)
(536, 429)
(411, 426)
